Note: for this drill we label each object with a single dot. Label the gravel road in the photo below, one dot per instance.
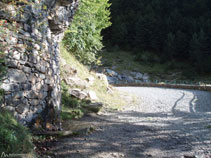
(160, 123)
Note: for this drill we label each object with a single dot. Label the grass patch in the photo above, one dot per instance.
(112, 100)
(70, 59)
(71, 113)
(122, 61)
(14, 138)
(71, 107)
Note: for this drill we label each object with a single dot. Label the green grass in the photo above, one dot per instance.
(111, 100)
(122, 61)
(126, 61)
(71, 60)
(14, 138)
(71, 107)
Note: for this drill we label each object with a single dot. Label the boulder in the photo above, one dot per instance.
(138, 81)
(103, 78)
(92, 95)
(119, 77)
(130, 79)
(133, 73)
(76, 81)
(77, 93)
(63, 62)
(94, 107)
(112, 80)
(90, 80)
(138, 76)
(146, 78)
(111, 72)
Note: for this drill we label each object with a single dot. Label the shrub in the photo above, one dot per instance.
(83, 38)
(14, 138)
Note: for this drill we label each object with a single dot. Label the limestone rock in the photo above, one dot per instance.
(92, 95)
(33, 95)
(94, 107)
(112, 80)
(10, 87)
(76, 81)
(16, 75)
(90, 80)
(34, 102)
(146, 78)
(19, 95)
(138, 75)
(111, 72)
(130, 79)
(27, 69)
(12, 63)
(103, 78)
(22, 108)
(119, 77)
(16, 55)
(78, 94)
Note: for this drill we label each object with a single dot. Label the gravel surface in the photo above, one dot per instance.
(161, 123)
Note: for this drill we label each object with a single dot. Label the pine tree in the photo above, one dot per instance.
(169, 47)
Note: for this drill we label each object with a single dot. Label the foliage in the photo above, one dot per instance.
(175, 30)
(71, 107)
(14, 138)
(83, 38)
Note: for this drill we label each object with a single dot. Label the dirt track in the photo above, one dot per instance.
(162, 123)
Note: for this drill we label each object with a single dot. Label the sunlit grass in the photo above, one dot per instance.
(110, 100)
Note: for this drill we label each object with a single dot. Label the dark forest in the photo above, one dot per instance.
(176, 30)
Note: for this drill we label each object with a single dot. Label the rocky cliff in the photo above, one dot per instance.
(32, 82)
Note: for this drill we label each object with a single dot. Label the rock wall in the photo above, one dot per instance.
(32, 83)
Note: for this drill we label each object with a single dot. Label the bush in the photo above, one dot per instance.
(83, 38)
(14, 138)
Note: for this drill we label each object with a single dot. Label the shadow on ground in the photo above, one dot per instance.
(135, 134)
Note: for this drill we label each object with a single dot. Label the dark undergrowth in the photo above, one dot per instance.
(14, 137)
